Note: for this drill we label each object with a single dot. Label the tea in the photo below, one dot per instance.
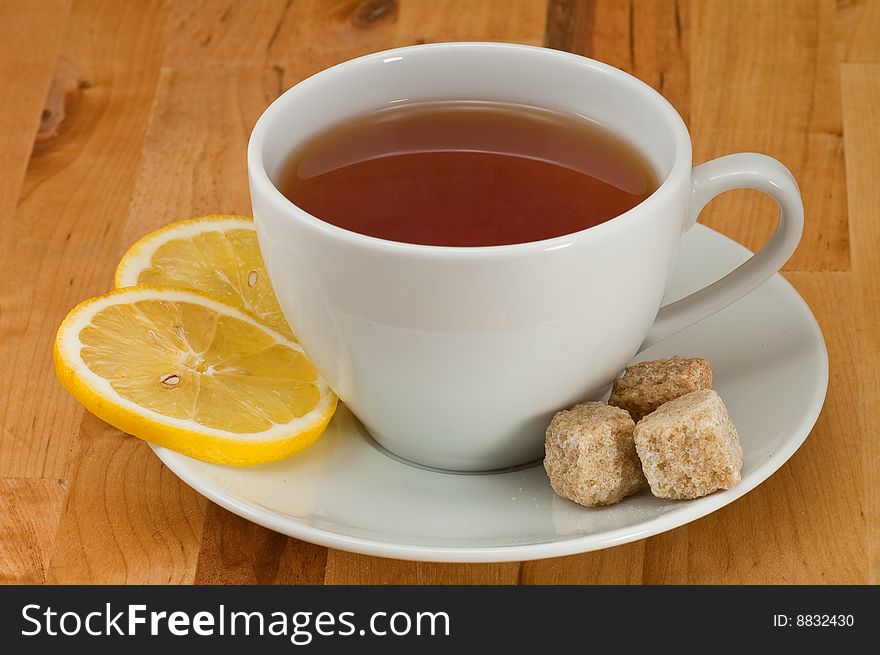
(466, 174)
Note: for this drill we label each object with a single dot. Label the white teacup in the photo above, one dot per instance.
(457, 357)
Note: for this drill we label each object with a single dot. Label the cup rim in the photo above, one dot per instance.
(682, 161)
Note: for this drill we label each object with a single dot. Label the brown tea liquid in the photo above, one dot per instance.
(466, 174)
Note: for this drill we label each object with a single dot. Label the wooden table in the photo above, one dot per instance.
(118, 117)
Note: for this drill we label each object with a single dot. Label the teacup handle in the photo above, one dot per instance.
(740, 171)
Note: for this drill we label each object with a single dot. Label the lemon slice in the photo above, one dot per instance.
(196, 375)
(215, 254)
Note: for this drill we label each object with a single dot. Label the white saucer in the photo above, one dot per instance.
(771, 369)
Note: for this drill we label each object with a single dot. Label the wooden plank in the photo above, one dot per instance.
(620, 565)
(235, 551)
(28, 52)
(647, 38)
(520, 21)
(304, 37)
(61, 245)
(858, 24)
(30, 509)
(350, 568)
(569, 26)
(194, 155)
(666, 558)
(224, 32)
(779, 95)
(861, 106)
(128, 519)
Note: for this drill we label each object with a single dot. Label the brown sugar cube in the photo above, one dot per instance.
(689, 447)
(645, 386)
(590, 456)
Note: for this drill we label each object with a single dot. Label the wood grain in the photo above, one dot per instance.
(780, 96)
(861, 103)
(666, 558)
(61, 245)
(350, 568)
(127, 518)
(78, 187)
(32, 38)
(647, 38)
(235, 551)
(305, 37)
(125, 116)
(186, 170)
(620, 565)
(30, 508)
(858, 24)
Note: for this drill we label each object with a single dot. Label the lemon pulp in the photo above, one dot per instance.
(218, 255)
(188, 372)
